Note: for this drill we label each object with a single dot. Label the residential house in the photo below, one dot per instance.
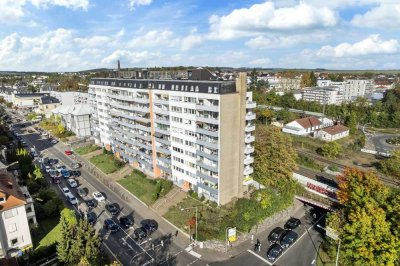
(334, 132)
(46, 104)
(75, 118)
(307, 125)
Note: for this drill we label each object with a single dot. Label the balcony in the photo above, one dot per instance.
(207, 131)
(143, 137)
(211, 108)
(248, 160)
(212, 190)
(165, 169)
(144, 145)
(142, 119)
(144, 128)
(121, 106)
(248, 149)
(160, 101)
(250, 116)
(212, 156)
(161, 120)
(212, 145)
(202, 164)
(164, 160)
(208, 119)
(249, 139)
(251, 105)
(161, 111)
(141, 100)
(207, 177)
(250, 128)
(121, 97)
(162, 140)
(248, 170)
(163, 149)
(162, 131)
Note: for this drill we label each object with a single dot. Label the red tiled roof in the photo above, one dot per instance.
(308, 122)
(10, 190)
(336, 129)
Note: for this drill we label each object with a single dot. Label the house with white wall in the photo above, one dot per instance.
(75, 118)
(334, 132)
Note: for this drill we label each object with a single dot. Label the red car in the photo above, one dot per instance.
(68, 152)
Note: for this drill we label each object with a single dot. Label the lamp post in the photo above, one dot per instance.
(195, 207)
(334, 238)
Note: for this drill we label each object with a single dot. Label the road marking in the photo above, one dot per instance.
(313, 261)
(195, 254)
(192, 262)
(173, 256)
(258, 256)
(109, 250)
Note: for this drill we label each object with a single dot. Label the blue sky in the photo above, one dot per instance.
(71, 35)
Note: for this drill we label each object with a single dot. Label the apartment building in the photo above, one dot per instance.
(323, 95)
(15, 237)
(354, 88)
(197, 133)
(330, 83)
(70, 97)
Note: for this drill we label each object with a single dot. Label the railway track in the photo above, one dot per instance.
(387, 180)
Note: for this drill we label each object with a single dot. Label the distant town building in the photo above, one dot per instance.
(323, 95)
(354, 88)
(27, 100)
(70, 97)
(46, 104)
(329, 83)
(307, 125)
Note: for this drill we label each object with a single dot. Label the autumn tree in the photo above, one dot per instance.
(364, 224)
(308, 80)
(38, 173)
(275, 157)
(331, 150)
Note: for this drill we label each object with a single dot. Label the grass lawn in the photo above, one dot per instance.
(47, 233)
(324, 259)
(87, 149)
(210, 220)
(107, 163)
(138, 184)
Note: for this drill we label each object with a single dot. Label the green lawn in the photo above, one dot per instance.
(107, 163)
(145, 189)
(87, 149)
(47, 233)
(323, 258)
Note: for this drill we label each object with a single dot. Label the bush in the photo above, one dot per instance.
(33, 187)
(333, 168)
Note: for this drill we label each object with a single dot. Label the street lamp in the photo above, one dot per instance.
(334, 238)
(195, 207)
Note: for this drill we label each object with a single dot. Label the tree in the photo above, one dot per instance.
(391, 166)
(308, 80)
(4, 140)
(364, 223)
(253, 80)
(65, 242)
(352, 123)
(38, 173)
(331, 149)
(275, 157)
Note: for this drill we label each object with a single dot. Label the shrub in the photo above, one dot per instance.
(333, 168)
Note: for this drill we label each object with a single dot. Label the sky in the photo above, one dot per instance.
(73, 35)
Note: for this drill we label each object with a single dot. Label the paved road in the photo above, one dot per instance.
(302, 252)
(121, 244)
(380, 144)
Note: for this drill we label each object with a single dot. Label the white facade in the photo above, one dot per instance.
(70, 97)
(355, 88)
(75, 118)
(175, 129)
(323, 95)
(306, 126)
(330, 83)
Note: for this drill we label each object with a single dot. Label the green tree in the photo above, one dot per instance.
(352, 123)
(253, 80)
(61, 129)
(331, 150)
(38, 173)
(65, 242)
(4, 140)
(391, 166)
(275, 157)
(364, 226)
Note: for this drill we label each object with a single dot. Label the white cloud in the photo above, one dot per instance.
(260, 62)
(266, 17)
(143, 58)
(274, 41)
(134, 3)
(11, 10)
(385, 15)
(192, 40)
(153, 38)
(373, 44)
(74, 4)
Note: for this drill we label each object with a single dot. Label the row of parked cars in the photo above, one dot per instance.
(282, 238)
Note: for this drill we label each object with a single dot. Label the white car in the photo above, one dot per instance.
(54, 141)
(48, 168)
(66, 191)
(59, 167)
(72, 199)
(98, 196)
(52, 173)
(72, 183)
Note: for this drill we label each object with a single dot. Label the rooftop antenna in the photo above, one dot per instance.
(119, 65)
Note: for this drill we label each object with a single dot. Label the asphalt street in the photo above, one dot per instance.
(158, 249)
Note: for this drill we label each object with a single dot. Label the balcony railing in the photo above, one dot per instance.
(250, 128)
(251, 105)
(202, 164)
(212, 145)
(248, 149)
(250, 116)
(248, 160)
(207, 177)
(249, 139)
(207, 131)
(248, 170)
(208, 188)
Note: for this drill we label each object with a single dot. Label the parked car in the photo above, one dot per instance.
(292, 223)
(54, 141)
(76, 165)
(112, 208)
(91, 203)
(274, 251)
(276, 234)
(82, 192)
(65, 173)
(52, 173)
(72, 199)
(66, 191)
(126, 221)
(288, 238)
(140, 233)
(150, 225)
(53, 161)
(98, 196)
(48, 168)
(75, 173)
(56, 180)
(91, 217)
(109, 224)
(72, 183)
(68, 152)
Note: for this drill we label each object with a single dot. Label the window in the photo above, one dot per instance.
(14, 242)
(10, 213)
(12, 228)
(3, 199)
